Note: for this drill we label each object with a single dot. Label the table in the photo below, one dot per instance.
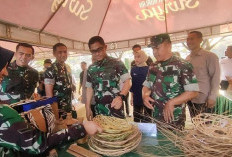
(160, 145)
(149, 146)
(224, 103)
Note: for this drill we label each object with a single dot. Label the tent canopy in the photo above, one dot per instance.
(122, 23)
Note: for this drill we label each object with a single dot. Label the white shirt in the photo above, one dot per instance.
(226, 68)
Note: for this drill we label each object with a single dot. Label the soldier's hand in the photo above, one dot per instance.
(117, 103)
(168, 111)
(147, 102)
(91, 127)
(89, 114)
(210, 103)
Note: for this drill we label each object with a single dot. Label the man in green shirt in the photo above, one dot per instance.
(103, 78)
(22, 79)
(170, 83)
(58, 80)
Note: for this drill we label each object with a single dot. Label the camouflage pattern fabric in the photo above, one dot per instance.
(16, 135)
(41, 76)
(41, 81)
(19, 84)
(104, 76)
(60, 76)
(167, 80)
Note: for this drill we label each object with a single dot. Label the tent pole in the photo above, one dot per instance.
(104, 17)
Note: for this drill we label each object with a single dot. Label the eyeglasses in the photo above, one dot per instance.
(97, 50)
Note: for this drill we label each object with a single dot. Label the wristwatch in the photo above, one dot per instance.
(123, 97)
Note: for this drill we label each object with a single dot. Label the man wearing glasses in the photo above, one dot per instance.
(22, 79)
(103, 79)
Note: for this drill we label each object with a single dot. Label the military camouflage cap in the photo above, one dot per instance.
(159, 39)
(47, 61)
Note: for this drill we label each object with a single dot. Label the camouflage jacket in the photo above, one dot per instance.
(167, 80)
(20, 83)
(104, 76)
(16, 135)
(60, 77)
(41, 82)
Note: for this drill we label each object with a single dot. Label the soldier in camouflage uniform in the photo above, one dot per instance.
(22, 79)
(103, 78)
(58, 80)
(17, 136)
(170, 83)
(41, 87)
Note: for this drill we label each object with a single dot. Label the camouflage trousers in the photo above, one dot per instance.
(64, 107)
